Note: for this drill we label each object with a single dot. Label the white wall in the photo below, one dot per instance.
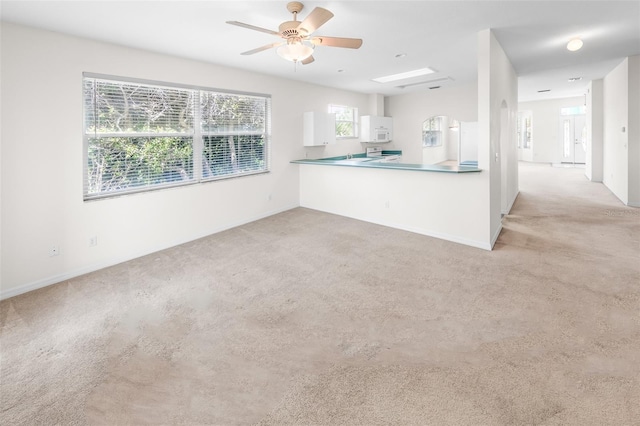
(441, 205)
(42, 166)
(468, 141)
(497, 115)
(453, 142)
(593, 166)
(1, 220)
(621, 131)
(411, 110)
(545, 127)
(634, 131)
(616, 142)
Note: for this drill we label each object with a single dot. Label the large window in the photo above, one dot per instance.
(346, 121)
(142, 136)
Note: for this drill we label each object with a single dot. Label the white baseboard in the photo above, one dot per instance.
(451, 238)
(633, 204)
(6, 294)
(439, 235)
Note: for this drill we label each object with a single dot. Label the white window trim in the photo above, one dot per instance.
(197, 135)
(355, 122)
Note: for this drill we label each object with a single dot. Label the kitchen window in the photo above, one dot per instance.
(346, 121)
(141, 136)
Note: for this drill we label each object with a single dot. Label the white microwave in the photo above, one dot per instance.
(381, 134)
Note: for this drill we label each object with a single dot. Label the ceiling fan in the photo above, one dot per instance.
(298, 45)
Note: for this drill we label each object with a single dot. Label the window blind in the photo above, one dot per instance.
(235, 133)
(140, 136)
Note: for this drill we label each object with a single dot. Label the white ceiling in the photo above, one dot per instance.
(437, 34)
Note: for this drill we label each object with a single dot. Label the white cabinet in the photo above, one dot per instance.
(319, 128)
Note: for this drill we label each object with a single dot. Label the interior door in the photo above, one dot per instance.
(573, 138)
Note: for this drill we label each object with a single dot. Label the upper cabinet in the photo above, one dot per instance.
(319, 128)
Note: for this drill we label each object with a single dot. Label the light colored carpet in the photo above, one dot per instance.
(311, 318)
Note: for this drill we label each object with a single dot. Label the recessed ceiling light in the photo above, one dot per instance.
(401, 55)
(404, 75)
(545, 90)
(574, 44)
(572, 79)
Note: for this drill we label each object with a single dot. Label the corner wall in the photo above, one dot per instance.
(1, 138)
(497, 119)
(42, 159)
(616, 141)
(593, 167)
(634, 131)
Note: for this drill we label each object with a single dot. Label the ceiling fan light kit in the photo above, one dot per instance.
(295, 50)
(298, 45)
(574, 44)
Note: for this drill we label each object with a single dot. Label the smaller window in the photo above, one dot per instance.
(346, 121)
(432, 132)
(524, 129)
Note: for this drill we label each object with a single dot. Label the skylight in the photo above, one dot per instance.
(404, 75)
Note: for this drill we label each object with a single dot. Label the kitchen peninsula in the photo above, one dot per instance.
(441, 201)
(360, 160)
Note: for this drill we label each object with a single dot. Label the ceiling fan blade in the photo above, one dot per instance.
(308, 60)
(314, 20)
(265, 47)
(351, 43)
(253, 27)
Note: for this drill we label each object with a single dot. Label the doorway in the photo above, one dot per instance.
(573, 138)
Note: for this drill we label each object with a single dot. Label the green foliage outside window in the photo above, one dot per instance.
(228, 155)
(124, 163)
(346, 118)
(141, 136)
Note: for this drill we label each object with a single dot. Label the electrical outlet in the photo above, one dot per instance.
(93, 241)
(54, 251)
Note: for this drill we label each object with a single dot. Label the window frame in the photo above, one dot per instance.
(354, 122)
(525, 129)
(197, 136)
(432, 131)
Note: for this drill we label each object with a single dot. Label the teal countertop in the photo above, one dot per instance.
(361, 160)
